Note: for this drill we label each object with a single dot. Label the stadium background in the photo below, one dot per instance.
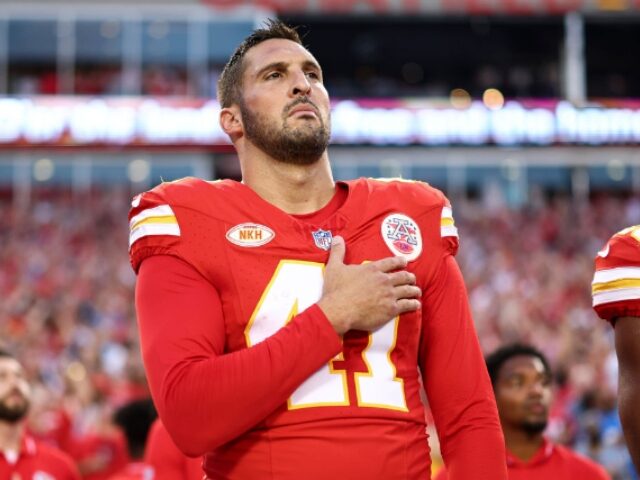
(525, 112)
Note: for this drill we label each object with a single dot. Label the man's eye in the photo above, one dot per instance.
(515, 382)
(273, 75)
(313, 75)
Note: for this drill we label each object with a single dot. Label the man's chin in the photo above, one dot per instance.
(307, 128)
(14, 413)
(534, 427)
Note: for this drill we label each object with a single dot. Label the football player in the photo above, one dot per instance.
(616, 298)
(285, 319)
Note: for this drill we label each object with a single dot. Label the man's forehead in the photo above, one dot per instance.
(8, 364)
(521, 364)
(276, 50)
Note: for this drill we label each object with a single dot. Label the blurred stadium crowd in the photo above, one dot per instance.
(67, 307)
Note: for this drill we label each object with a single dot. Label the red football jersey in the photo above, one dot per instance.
(36, 460)
(100, 454)
(225, 270)
(136, 471)
(167, 461)
(551, 462)
(616, 282)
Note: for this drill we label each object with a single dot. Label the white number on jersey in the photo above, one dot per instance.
(295, 286)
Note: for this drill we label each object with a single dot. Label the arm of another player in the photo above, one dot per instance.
(205, 396)
(627, 333)
(457, 382)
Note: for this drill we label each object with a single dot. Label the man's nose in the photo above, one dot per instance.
(301, 84)
(537, 389)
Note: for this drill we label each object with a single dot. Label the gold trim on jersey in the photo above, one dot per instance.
(616, 284)
(158, 220)
(164, 219)
(447, 223)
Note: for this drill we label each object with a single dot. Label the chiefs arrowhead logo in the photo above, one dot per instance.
(250, 235)
(402, 235)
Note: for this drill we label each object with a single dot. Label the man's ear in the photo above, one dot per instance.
(231, 121)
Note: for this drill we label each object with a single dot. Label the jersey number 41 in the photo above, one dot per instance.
(295, 286)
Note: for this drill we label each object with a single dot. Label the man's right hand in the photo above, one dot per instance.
(366, 296)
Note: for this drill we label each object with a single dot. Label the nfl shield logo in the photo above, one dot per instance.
(322, 238)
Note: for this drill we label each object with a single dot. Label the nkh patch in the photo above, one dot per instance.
(250, 235)
(402, 236)
(322, 239)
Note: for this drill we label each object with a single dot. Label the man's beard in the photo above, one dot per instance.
(534, 428)
(15, 413)
(303, 145)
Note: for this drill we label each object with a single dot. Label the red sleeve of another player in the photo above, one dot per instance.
(457, 382)
(616, 281)
(204, 396)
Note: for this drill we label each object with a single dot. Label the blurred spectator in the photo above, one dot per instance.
(135, 419)
(522, 382)
(22, 456)
(600, 436)
(97, 80)
(165, 81)
(101, 451)
(33, 80)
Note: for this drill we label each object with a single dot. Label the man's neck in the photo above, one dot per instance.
(11, 435)
(521, 444)
(295, 189)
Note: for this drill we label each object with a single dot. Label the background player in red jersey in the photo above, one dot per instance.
(521, 379)
(277, 358)
(135, 419)
(21, 456)
(616, 298)
(168, 462)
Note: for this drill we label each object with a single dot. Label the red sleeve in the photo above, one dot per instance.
(457, 382)
(206, 397)
(193, 469)
(616, 281)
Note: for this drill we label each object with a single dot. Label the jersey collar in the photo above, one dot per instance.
(541, 456)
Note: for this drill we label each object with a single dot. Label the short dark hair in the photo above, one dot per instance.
(230, 81)
(6, 354)
(498, 358)
(135, 419)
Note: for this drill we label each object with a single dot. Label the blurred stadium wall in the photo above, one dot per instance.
(471, 95)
